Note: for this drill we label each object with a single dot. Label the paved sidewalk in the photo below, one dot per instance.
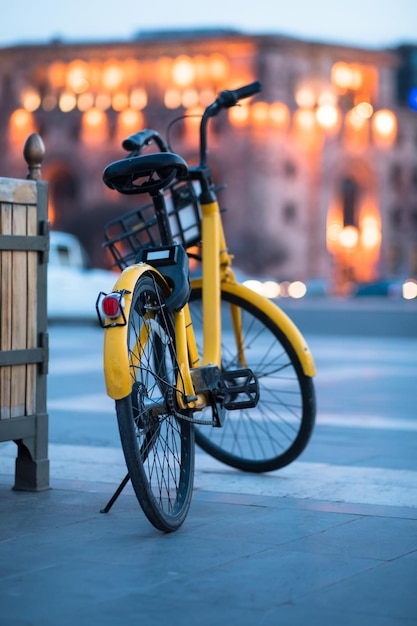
(238, 559)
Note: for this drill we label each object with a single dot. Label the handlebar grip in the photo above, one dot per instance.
(247, 90)
(229, 98)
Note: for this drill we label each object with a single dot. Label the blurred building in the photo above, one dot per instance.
(321, 167)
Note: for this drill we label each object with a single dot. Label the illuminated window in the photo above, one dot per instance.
(31, 100)
(67, 102)
(172, 99)
(77, 76)
(120, 101)
(183, 71)
(279, 114)
(138, 99)
(21, 125)
(260, 112)
(85, 101)
(94, 126)
(238, 116)
(384, 124)
(112, 76)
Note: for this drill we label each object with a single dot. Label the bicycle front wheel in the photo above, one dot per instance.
(276, 431)
(157, 441)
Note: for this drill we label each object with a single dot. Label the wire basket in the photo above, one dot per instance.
(125, 236)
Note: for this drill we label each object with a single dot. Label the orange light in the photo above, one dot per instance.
(385, 123)
(120, 101)
(279, 114)
(363, 110)
(67, 102)
(77, 76)
(349, 237)
(305, 119)
(189, 98)
(341, 75)
(103, 101)
(93, 118)
(328, 116)
(129, 121)
(260, 112)
(85, 101)
(183, 72)
(94, 126)
(31, 100)
(370, 232)
(112, 76)
(138, 99)
(333, 232)
(21, 125)
(172, 99)
(57, 73)
(305, 97)
(207, 96)
(20, 118)
(218, 67)
(238, 116)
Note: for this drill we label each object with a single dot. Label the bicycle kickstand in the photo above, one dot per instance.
(116, 494)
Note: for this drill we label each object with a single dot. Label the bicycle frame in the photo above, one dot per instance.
(217, 275)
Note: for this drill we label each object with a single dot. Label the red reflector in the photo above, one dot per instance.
(111, 306)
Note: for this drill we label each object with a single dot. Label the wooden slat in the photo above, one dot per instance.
(19, 312)
(5, 310)
(32, 274)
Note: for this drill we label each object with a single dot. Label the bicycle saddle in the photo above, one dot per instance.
(147, 173)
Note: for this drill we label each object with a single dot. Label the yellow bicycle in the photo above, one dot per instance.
(205, 360)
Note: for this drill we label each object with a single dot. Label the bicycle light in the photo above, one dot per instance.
(111, 306)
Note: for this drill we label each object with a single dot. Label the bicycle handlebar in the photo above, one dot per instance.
(226, 99)
(229, 98)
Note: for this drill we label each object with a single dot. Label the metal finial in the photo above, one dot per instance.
(34, 151)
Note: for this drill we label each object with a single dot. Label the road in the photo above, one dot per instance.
(362, 450)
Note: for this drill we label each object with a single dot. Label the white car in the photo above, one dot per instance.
(73, 287)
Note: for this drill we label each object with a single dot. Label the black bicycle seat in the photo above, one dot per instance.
(147, 173)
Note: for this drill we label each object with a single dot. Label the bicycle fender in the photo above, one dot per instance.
(275, 313)
(115, 355)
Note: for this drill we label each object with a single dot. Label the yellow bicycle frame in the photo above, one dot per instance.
(217, 276)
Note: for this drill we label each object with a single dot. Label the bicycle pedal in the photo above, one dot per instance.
(241, 389)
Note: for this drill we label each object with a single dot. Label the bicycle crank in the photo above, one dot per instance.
(229, 390)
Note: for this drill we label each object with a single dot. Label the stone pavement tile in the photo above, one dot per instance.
(237, 559)
(366, 537)
(384, 594)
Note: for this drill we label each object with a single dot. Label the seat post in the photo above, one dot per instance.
(164, 226)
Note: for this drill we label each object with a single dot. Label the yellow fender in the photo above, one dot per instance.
(116, 358)
(272, 311)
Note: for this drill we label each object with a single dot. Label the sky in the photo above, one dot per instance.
(361, 23)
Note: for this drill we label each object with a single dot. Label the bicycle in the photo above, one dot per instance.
(203, 360)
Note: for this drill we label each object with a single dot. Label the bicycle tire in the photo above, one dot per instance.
(158, 444)
(276, 431)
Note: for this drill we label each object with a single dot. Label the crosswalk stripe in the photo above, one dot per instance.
(312, 481)
(100, 403)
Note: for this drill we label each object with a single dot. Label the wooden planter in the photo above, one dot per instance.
(24, 243)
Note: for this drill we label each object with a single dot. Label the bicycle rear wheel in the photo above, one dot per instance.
(276, 431)
(158, 444)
